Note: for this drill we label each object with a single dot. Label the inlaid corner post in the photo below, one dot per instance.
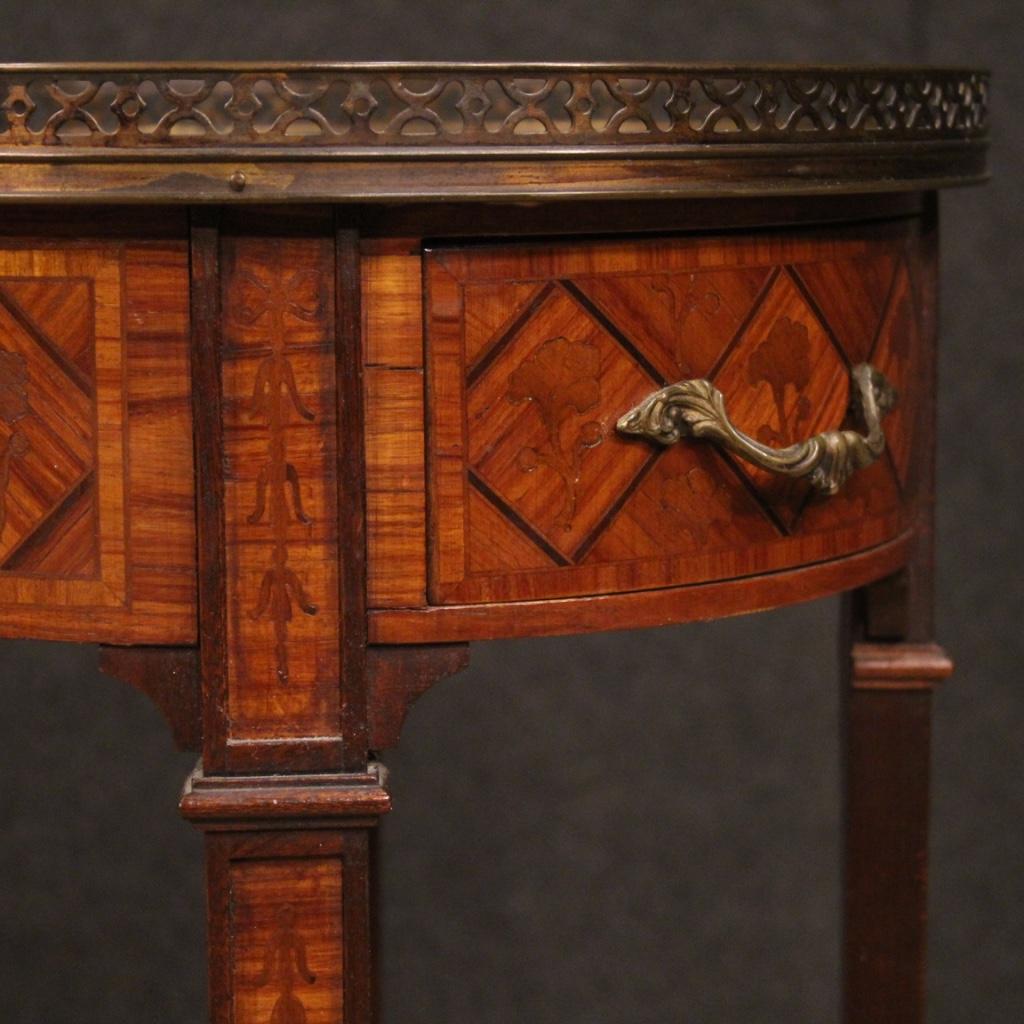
(285, 791)
(891, 666)
(289, 894)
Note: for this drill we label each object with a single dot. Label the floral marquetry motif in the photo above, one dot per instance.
(784, 380)
(561, 378)
(700, 502)
(686, 319)
(783, 361)
(543, 498)
(539, 401)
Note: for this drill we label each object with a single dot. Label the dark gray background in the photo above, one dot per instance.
(551, 859)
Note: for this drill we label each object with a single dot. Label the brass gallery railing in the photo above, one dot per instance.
(424, 106)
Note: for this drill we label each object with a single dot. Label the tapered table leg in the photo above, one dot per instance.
(887, 734)
(286, 792)
(290, 908)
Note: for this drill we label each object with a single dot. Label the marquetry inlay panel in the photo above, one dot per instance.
(94, 422)
(280, 488)
(48, 506)
(286, 919)
(533, 351)
(290, 920)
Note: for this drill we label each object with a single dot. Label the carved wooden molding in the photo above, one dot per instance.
(237, 803)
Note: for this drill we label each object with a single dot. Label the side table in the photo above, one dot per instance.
(312, 375)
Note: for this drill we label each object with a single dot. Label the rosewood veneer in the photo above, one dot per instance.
(312, 375)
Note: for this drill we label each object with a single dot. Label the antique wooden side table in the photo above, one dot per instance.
(310, 376)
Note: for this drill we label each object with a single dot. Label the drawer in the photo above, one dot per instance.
(534, 351)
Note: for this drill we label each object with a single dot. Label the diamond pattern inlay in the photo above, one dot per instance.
(491, 310)
(541, 422)
(851, 295)
(47, 436)
(683, 320)
(550, 343)
(690, 501)
(783, 381)
(896, 352)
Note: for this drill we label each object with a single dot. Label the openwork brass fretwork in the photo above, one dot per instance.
(434, 105)
(696, 408)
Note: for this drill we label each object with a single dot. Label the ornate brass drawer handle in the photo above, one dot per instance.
(696, 408)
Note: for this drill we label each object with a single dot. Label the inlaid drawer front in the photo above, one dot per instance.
(96, 492)
(534, 352)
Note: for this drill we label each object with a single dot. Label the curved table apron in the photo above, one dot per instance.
(311, 375)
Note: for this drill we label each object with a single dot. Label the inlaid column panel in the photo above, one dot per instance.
(280, 488)
(273, 506)
(287, 939)
(290, 934)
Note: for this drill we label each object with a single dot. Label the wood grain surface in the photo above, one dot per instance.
(637, 609)
(96, 479)
(396, 509)
(518, 512)
(404, 446)
(534, 350)
(281, 555)
(290, 927)
(887, 732)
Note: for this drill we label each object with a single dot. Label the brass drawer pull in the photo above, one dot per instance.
(696, 408)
